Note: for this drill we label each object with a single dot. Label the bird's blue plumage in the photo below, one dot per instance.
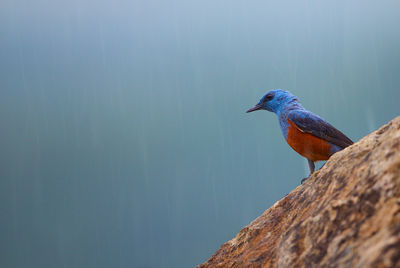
(286, 106)
(307, 133)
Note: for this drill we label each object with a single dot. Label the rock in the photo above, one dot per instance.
(346, 215)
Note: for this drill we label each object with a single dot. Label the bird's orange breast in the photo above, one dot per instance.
(309, 146)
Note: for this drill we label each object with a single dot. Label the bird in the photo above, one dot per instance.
(308, 134)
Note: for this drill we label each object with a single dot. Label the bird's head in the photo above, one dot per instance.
(273, 101)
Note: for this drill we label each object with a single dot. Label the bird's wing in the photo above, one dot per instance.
(310, 123)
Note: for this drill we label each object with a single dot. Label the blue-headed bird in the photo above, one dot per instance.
(308, 134)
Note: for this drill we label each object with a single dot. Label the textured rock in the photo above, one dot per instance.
(346, 215)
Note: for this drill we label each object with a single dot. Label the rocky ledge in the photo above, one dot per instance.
(346, 215)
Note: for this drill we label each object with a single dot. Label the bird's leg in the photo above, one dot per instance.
(311, 165)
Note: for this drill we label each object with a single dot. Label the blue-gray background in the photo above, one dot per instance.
(124, 141)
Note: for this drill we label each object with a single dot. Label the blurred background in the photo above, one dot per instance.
(124, 139)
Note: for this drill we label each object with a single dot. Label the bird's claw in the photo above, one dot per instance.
(303, 180)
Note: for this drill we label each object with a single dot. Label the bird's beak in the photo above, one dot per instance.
(255, 108)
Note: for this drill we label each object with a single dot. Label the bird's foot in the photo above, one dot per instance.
(303, 180)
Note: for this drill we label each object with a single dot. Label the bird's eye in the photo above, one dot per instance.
(268, 97)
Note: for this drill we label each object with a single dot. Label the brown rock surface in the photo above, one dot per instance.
(346, 215)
